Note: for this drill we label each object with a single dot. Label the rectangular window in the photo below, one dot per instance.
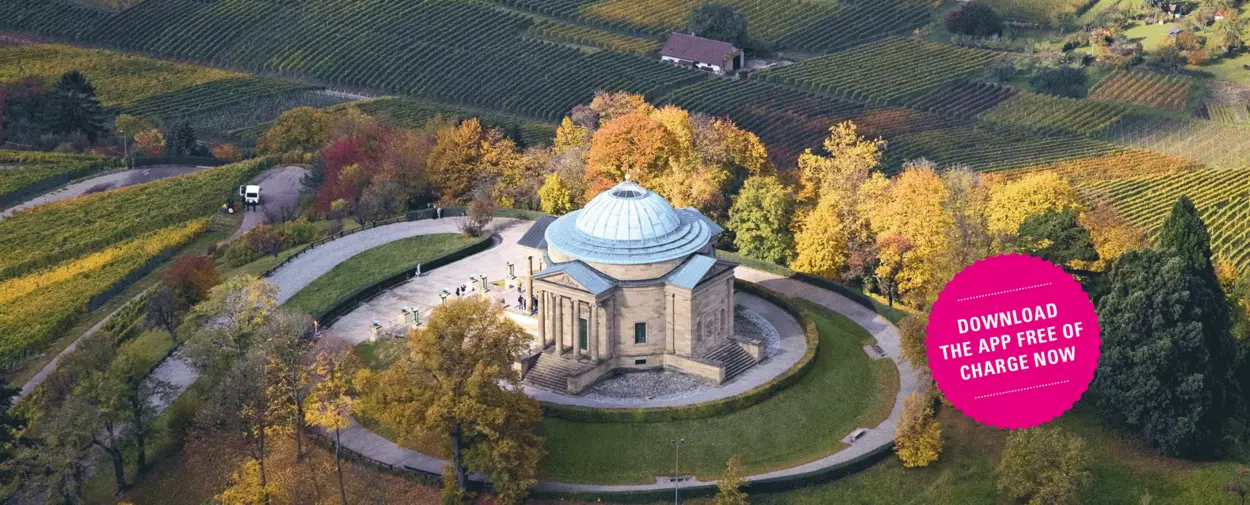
(640, 333)
(583, 333)
(640, 361)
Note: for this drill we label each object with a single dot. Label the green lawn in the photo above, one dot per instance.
(374, 265)
(843, 390)
(1124, 471)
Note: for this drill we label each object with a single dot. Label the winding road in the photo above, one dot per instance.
(104, 182)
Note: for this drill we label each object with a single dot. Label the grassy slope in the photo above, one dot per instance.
(805, 422)
(1124, 471)
(372, 266)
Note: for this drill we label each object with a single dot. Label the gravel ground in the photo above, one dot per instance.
(751, 324)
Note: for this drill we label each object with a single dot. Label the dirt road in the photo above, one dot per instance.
(279, 187)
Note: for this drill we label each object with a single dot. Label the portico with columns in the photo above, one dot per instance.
(632, 283)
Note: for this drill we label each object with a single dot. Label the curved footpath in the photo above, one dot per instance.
(313, 264)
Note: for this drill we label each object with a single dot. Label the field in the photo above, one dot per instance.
(1050, 114)
(790, 120)
(26, 174)
(120, 80)
(1222, 195)
(48, 235)
(963, 99)
(1129, 163)
(1167, 92)
(988, 148)
(767, 20)
(1038, 11)
(1229, 113)
(36, 307)
(887, 71)
(790, 25)
(557, 31)
(1207, 142)
(461, 53)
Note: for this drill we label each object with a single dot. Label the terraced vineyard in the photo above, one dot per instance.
(1041, 12)
(1222, 195)
(50, 234)
(212, 95)
(1167, 92)
(1049, 114)
(789, 120)
(120, 80)
(557, 31)
(1124, 164)
(767, 20)
(1229, 113)
(963, 99)
(462, 53)
(887, 71)
(34, 309)
(25, 174)
(217, 122)
(989, 148)
(415, 114)
(787, 24)
(1207, 142)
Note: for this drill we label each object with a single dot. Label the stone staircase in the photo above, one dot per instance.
(732, 358)
(551, 371)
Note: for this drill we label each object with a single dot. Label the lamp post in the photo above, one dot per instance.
(676, 465)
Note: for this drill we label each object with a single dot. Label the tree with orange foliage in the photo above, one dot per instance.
(228, 152)
(190, 279)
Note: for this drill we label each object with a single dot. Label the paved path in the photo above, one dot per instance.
(313, 264)
(279, 187)
(105, 182)
(374, 446)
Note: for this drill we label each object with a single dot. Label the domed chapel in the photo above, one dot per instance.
(632, 283)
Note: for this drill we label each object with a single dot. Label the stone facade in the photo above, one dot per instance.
(601, 309)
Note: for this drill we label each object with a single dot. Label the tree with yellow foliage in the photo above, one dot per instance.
(692, 161)
(570, 136)
(456, 382)
(1013, 202)
(918, 437)
(913, 229)
(1112, 236)
(468, 154)
(555, 195)
(613, 104)
(245, 487)
(302, 129)
(331, 403)
(851, 161)
(821, 241)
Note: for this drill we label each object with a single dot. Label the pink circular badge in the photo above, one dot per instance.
(1013, 341)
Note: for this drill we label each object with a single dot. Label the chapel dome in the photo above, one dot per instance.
(629, 225)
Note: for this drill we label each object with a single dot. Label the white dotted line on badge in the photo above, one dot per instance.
(1018, 390)
(1003, 292)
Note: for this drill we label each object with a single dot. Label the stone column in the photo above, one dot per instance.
(559, 323)
(592, 330)
(542, 317)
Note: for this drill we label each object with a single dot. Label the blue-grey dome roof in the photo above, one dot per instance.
(628, 225)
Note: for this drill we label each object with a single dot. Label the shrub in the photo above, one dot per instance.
(1061, 81)
(975, 19)
(228, 152)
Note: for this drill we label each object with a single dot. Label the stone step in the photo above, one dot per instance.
(552, 371)
(732, 358)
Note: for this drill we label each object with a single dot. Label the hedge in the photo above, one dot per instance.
(199, 161)
(712, 408)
